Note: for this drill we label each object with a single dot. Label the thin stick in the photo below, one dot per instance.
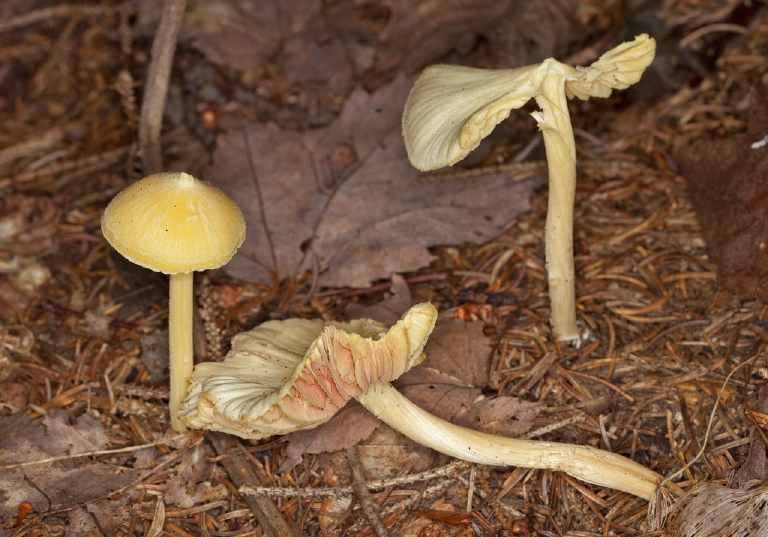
(292, 492)
(56, 12)
(94, 453)
(156, 85)
(371, 509)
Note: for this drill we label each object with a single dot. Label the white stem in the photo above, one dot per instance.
(555, 125)
(179, 342)
(589, 464)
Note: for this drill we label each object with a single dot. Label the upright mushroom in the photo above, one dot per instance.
(284, 376)
(452, 108)
(175, 224)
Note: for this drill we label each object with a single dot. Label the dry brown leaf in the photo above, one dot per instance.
(387, 37)
(189, 484)
(351, 425)
(388, 310)
(386, 452)
(506, 416)
(726, 180)
(53, 485)
(344, 200)
(242, 35)
(449, 382)
(756, 465)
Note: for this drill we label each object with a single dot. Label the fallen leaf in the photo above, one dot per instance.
(450, 381)
(404, 36)
(53, 485)
(189, 484)
(726, 181)
(755, 467)
(388, 310)
(386, 452)
(506, 416)
(348, 427)
(417, 525)
(344, 201)
(243, 35)
(81, 523)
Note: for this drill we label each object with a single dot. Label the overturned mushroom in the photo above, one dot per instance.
(284, 376)
(452, 108)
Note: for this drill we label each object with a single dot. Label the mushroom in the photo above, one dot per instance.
(175, 224)
(285, 376)
(452, 108)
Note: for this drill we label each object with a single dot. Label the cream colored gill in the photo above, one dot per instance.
(451, 108)
(285, 376)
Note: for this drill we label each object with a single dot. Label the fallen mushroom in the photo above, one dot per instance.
(284, 376)
(175, 224)
(452, 108)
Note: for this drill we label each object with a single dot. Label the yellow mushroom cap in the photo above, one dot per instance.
(173, 223)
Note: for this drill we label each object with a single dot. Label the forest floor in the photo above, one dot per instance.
(292, 108)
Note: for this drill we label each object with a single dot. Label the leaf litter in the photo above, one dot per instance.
(344, 202)
(665, 336)
(450, 382)
(55, 485)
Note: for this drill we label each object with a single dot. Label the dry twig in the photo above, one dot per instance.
(156, 85)
(242, 472)
(371, 509)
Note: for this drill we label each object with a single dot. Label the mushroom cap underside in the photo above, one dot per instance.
(174, 223)
(285, 376)
(451, 108)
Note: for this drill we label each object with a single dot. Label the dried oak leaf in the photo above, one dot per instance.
(726, 181)
(348, 427)
(53, 485)
(343, 200)
(388, 310)
(449, 382)
(189, 484)
(240, 35)
(390, 36)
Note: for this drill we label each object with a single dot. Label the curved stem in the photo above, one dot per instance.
(555, 125)
(179, 342)
(589, 464)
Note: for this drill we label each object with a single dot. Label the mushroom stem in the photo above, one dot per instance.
(179, 342)
(555, 125)
(589, 464)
